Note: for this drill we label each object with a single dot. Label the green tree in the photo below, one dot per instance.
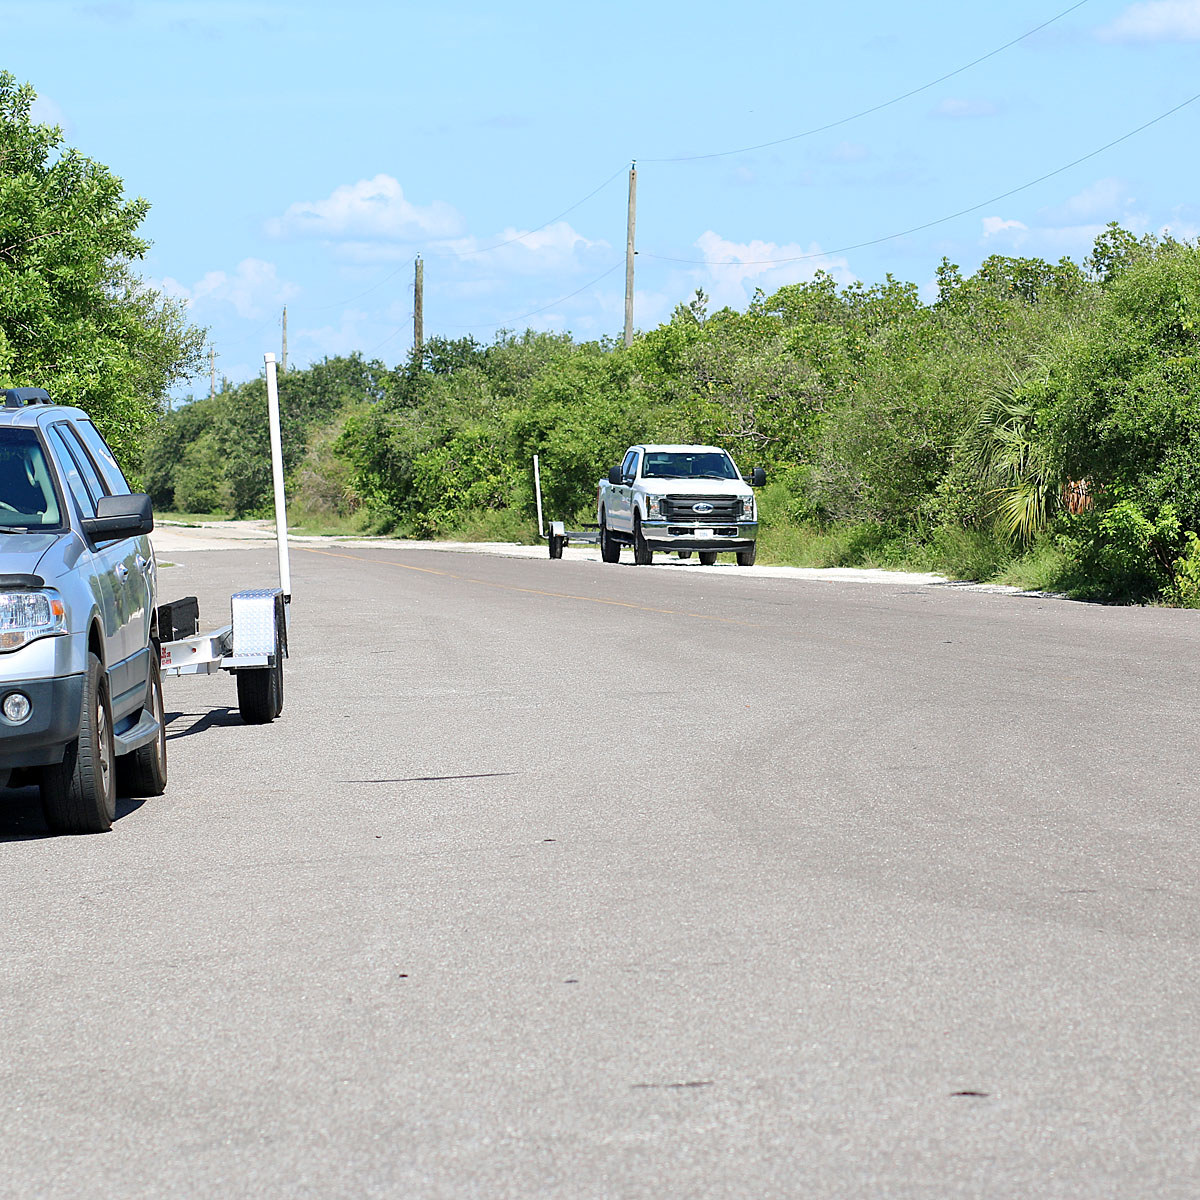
(74, 318)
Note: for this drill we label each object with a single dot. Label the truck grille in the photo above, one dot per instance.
(722, 509)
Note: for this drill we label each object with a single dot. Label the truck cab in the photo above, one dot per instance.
(678, 498)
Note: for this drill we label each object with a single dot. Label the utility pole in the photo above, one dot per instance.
(418, 305)
(212, 370)
(629, 253)
(283, 356)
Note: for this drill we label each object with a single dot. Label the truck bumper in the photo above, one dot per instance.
(674, 535)
(52, 724)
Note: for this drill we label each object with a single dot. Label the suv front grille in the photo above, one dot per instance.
(682, 508)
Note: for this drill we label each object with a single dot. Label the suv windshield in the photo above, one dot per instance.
(674, 464)
(27, 496)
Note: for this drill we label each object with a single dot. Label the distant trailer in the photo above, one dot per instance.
(559, 536)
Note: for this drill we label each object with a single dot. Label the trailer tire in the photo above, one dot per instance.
(643, 556)
(260, 690)
(708, 558)
(144, 771)
(556, 546)
(610, 548)
(683, 553)
(78, 794)
(745, 558)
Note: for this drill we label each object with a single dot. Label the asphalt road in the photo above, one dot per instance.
(572, 880)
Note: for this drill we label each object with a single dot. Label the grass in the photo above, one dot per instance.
(977, 555)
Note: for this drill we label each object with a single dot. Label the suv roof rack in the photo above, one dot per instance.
(19, 397)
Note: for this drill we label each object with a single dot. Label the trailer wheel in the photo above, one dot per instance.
(556, 546)
(610, 548)
(643, 556)
(78, 795)
(683, 553)
(144, 772)
(708, 558)
(745, 558)
(260, 690)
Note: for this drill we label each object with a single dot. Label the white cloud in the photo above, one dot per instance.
(343, 338)
(1155, 21)
(995, 225)
(732, 266)
(958, 107)
(1104, 200)
(370, 208)
(554, 248)
(253, 289)
(848, 152)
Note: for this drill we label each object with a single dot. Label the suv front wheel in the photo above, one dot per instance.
(78, 794)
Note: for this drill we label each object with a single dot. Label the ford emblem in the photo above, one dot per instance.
(702, 508)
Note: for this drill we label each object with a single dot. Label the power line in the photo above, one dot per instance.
(531, 232)
(390, 336)
(962, 212)
(537, 311)
(875, 107)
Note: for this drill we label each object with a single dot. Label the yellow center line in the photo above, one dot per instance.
(508, 587)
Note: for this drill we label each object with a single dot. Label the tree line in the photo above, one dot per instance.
(1032, 421)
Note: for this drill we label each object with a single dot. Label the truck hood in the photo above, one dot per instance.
(695, 487)
(43, 554)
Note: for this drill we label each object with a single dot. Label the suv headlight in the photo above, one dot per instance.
(27, 616)
(747, 508)
(654, 506)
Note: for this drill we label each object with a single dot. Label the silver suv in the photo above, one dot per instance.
(81, 706)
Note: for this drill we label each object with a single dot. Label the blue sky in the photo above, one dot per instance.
(303, 153)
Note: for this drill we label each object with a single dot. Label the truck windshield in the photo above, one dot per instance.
(684, 464)
(27, 497)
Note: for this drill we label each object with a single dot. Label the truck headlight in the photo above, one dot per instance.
(654, 506)
(27, 616)
(747, 508)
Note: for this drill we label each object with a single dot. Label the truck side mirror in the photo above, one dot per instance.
(614, 474)
(119, 517)
(758, 477)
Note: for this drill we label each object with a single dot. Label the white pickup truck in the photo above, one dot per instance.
(678, 499)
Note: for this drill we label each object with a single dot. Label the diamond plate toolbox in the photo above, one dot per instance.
(254, 622)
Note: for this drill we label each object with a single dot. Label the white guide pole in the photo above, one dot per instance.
(537, 487)
(281, 543)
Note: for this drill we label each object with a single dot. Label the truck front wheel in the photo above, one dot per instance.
(643, 556)
(746, 557)
(79, 793)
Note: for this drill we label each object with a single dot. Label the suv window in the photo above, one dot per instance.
(116, 482)
(70, 471)
(27, 495)
(91, 476)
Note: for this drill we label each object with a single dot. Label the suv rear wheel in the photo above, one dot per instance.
(79, 794)
(610, 548)
(144, 771)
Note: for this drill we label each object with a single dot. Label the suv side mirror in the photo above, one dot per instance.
(758, 477)
(120, 517)
(614, 475)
